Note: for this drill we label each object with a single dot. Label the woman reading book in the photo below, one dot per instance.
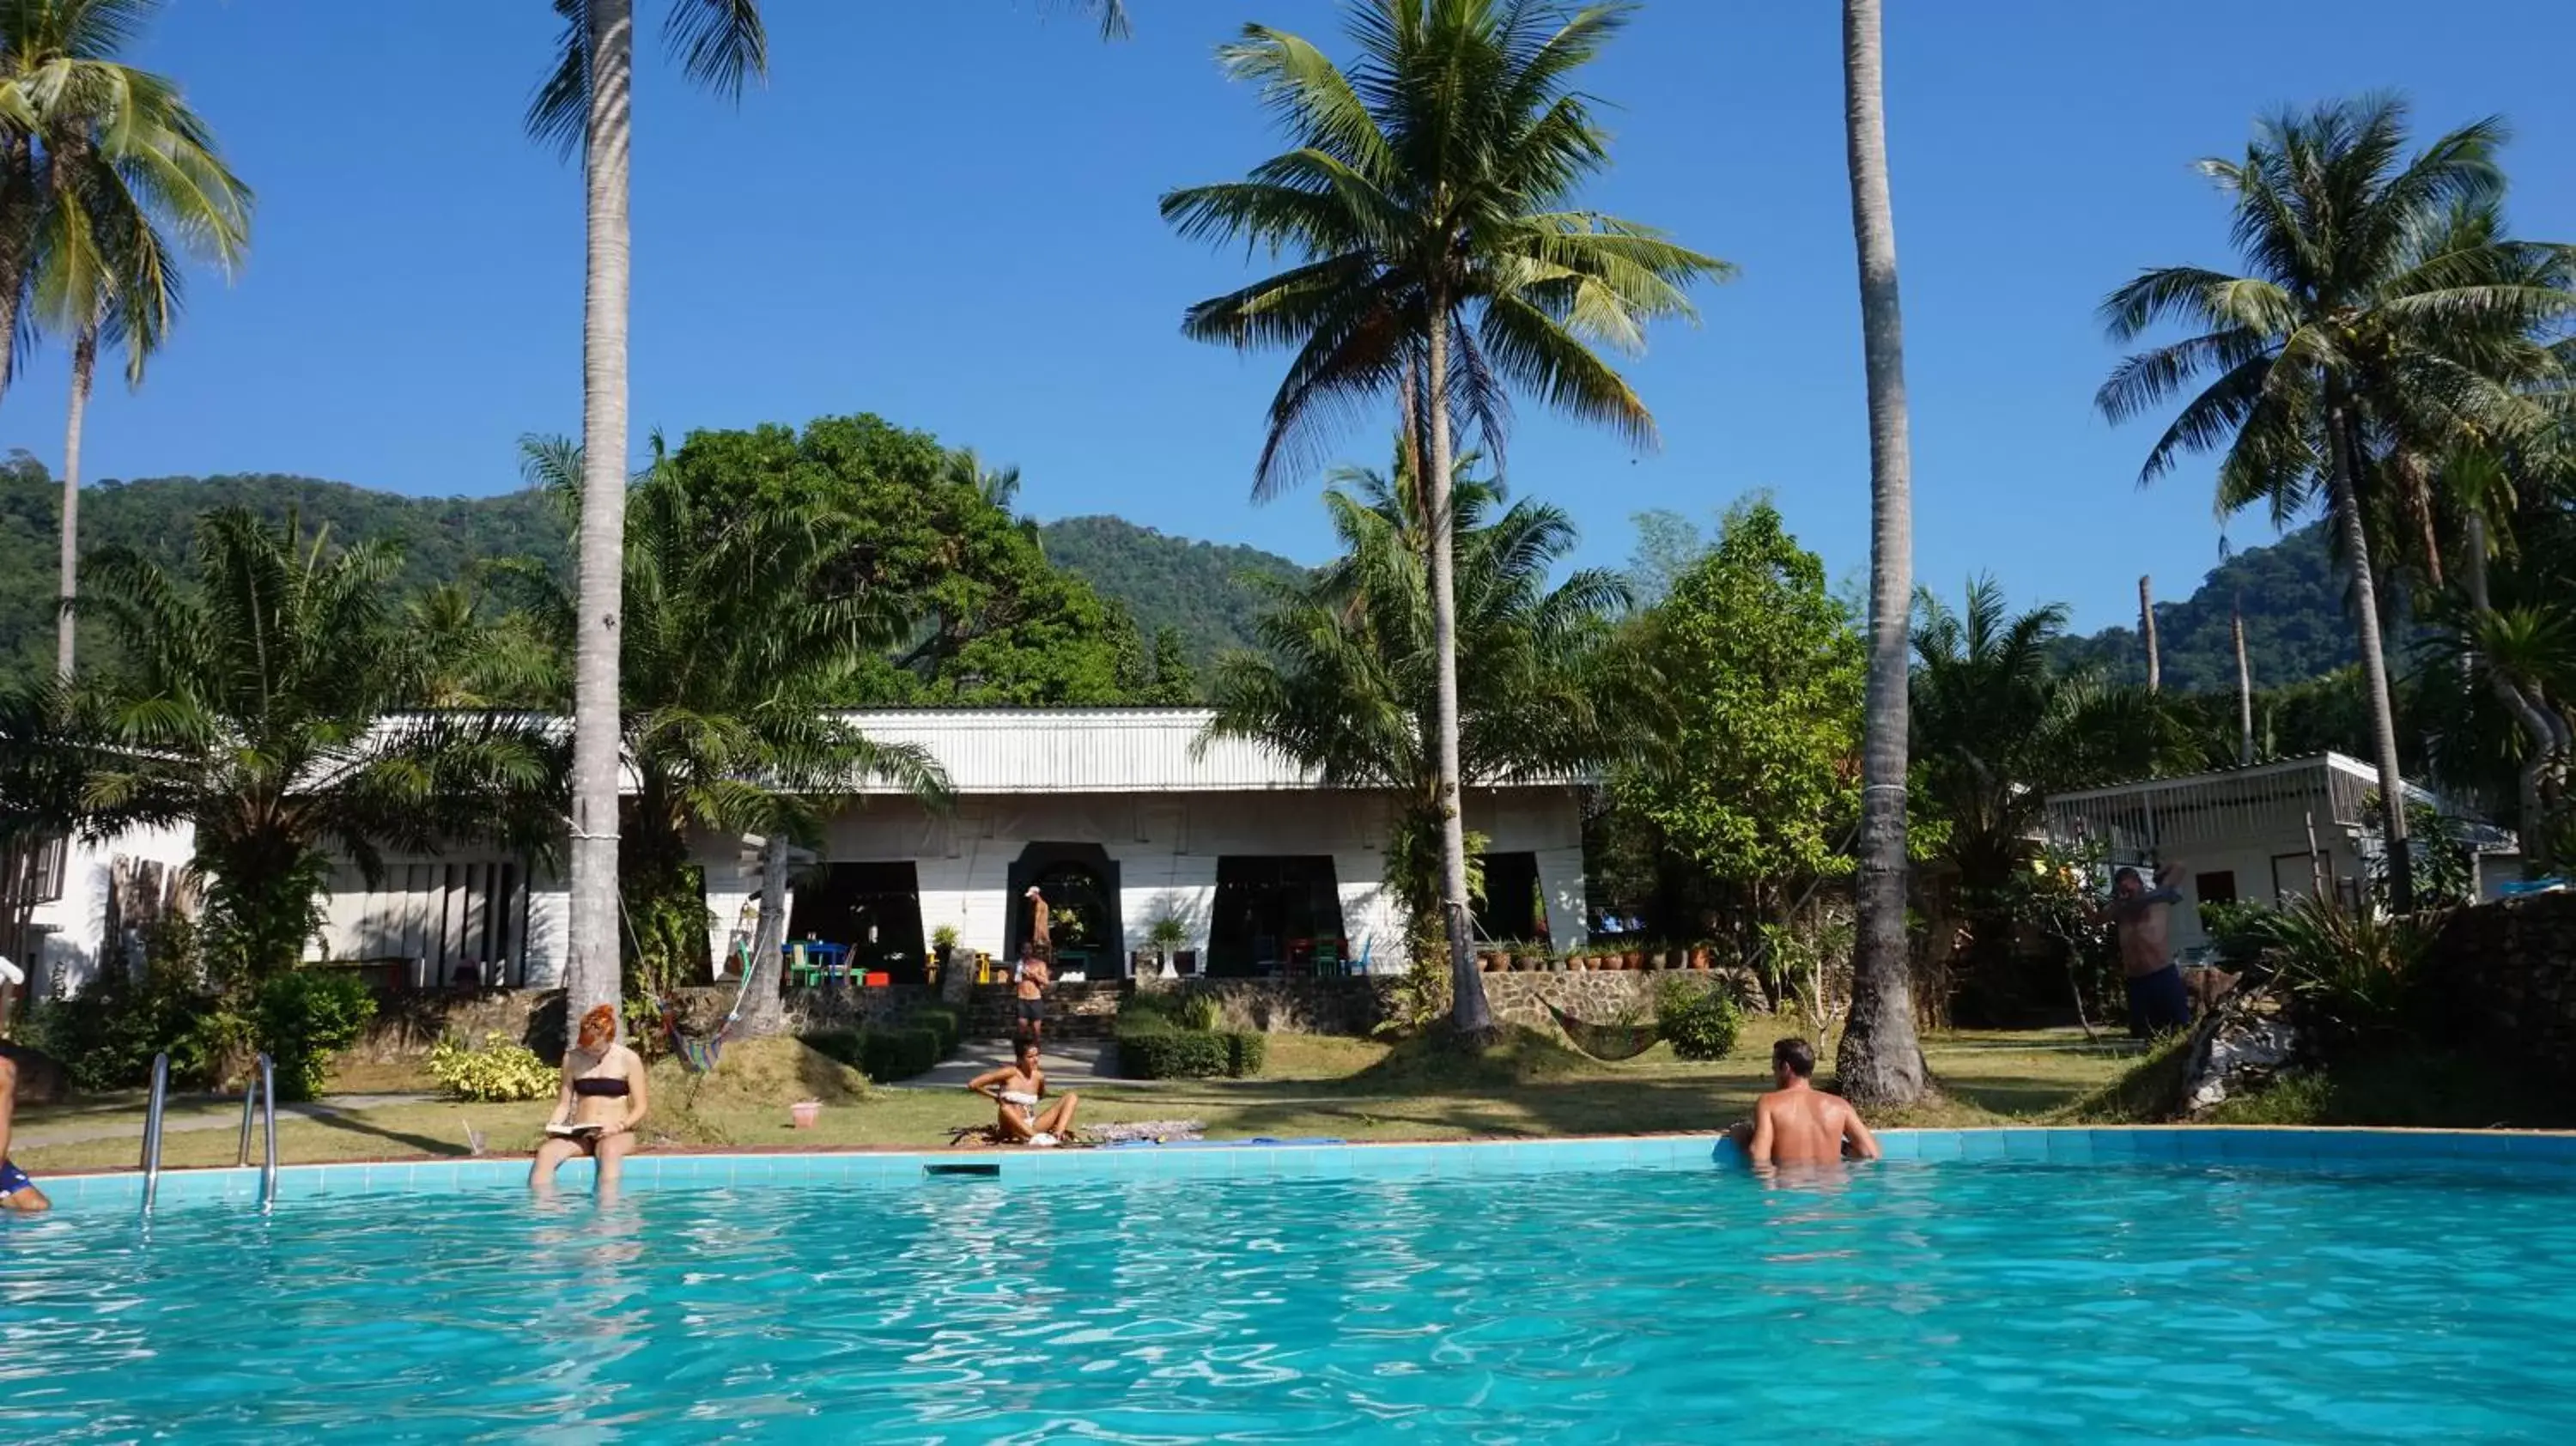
(602, 1102)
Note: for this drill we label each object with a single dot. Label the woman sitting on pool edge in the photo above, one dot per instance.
(602, 1102)
(1016, 1089)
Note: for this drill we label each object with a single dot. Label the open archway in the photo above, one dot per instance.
(1080, 881)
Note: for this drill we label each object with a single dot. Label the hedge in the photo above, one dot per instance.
(1155, 1050)
(883, 1055)
(942, 1022)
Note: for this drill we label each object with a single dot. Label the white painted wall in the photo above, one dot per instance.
(76, 922)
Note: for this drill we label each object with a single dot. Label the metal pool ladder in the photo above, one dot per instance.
(262, 1094)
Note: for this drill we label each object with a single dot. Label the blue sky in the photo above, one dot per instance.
(945, 213)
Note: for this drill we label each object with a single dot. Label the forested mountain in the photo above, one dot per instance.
(1163, 582)
(2294, 618)
(1193, 588)
(2295, 624)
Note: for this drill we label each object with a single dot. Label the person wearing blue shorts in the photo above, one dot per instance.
(17, 1192)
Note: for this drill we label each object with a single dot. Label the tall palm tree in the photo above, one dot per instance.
(586, 102)
(261, 705)
(1880, 1060)
(2367, 326)
(1347, 683)
(107, 181)
(738, 643)
(1427, 200)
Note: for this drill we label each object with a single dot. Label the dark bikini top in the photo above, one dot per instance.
(612, 1088)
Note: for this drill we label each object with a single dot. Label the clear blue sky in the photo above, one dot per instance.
(945, 213)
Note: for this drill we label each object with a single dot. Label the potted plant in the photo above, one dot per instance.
(1167, 934)
(943, 943)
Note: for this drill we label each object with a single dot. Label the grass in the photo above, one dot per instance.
(1355, 1089)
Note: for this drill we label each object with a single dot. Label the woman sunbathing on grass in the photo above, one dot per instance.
(1016, 1089)
(601, 1104)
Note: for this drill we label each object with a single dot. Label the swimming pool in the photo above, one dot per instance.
(1623, 1292)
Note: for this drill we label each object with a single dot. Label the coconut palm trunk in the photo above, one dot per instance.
(2244, 688)
(84, 372)
(1468, 1012)
(592, 975)
(1881, 1061)
(2344, 499)
(764, 1010)
(2541, 740)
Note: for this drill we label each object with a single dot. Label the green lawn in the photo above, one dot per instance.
(1349, 1088)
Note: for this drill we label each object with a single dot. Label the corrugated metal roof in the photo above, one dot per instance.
(1081, 750)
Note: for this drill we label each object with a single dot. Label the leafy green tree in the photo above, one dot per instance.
(1175, 683)
(1427, 199)
(1763, 669)
(1879, 1060)
(991, 622)
(261, 706)
(741, 636)
(107, 181)
(1346, 682)
(2370, 327)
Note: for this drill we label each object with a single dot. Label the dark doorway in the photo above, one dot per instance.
(1509, 908)
(1265, 901)
(875, 908)
(1080, 882)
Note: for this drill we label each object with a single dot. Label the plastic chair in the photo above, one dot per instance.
(1328, 959)
(801, 967)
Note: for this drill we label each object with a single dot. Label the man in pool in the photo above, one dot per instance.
(17, 1192)
(2158, 1000)
(1799, 1124)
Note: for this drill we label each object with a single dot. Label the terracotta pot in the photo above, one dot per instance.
(1485, 962)
(1699, 958)
(1633, 959)
(804, 1113)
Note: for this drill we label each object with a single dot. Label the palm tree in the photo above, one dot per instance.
(260, 705)
(1426, 200)
(587, 101)
(1880, 1060)
(107, 178)
(2367, 328)
(737, 644)
(1347, 683)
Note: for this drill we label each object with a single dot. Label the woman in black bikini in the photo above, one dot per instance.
(602, 1102)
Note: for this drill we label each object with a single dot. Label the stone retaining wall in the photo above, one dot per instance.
(2508, 972)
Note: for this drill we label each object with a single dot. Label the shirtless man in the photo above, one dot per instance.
(1015, 1089)
(2158, 1001)
(1799, 1124)
(17, 1192)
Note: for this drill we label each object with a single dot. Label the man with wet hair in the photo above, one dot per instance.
(1799, 1124)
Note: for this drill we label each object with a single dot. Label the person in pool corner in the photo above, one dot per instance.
(17, 1192)
(2158, 999)
(1799, 1124)
(603, 1100)
(1015, 1089)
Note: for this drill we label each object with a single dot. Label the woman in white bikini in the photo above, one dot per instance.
(1015, 1090)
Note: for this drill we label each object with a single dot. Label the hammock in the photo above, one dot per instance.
(1608, 1043)
(700, 1054)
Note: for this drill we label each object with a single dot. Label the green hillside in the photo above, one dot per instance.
(2295, 624)
(1195, 588)
(1190, 587)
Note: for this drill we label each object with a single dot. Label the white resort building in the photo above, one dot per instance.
(1119, 815)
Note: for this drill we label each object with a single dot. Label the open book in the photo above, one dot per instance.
(576, 1132)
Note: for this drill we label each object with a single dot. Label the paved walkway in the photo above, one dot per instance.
(184, 1117)
(1072, 1064)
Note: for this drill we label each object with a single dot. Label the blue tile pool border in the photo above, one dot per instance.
(2010, 1145)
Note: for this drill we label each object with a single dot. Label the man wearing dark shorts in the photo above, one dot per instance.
(17, 1192)
(1034, 978)
(2158, 1000)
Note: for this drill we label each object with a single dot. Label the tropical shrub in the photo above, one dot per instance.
(943, 1024)
(841, 1046)
(887, 1055)
(1158, 1051)
(1700, 1019)
(2354, 978)
(498, 1071)
(1199, 1012)
(306, 1016)
(1246, 1052)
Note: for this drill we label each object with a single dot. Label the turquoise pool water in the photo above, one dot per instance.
(1979, 1302)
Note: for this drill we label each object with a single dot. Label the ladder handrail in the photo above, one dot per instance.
(152, 1128)
(262, 1091)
